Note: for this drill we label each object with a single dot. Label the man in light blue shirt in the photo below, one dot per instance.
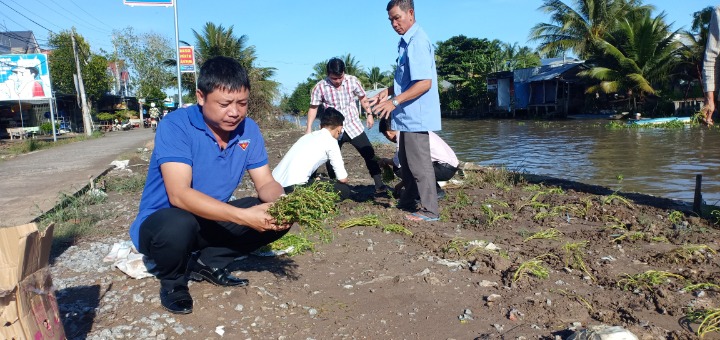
(415, 110)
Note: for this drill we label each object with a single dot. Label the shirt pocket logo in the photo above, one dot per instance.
(244, 144)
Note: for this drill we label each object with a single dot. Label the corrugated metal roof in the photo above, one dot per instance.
(552, 72)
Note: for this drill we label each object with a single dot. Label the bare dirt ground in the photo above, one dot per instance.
(459, 278)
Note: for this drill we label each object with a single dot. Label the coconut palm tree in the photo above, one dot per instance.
(636, 58)
(216, 40)
(579, 26)
(375, 78)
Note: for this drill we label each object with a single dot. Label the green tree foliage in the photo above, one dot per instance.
(299, 101)
(636, 58)
(376, 79)
(577, 25)
(216, 40)
(145, 55)
(465, 63)
(96, 78)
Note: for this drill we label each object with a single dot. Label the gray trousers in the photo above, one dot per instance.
(419, 179)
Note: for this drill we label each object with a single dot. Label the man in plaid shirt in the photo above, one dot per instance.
(339, 90)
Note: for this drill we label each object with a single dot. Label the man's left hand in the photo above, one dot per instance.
(384, 109)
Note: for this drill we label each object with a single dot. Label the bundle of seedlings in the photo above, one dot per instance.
(308, 206)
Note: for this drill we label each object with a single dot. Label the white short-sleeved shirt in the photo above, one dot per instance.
(306, 155)
(439, 151)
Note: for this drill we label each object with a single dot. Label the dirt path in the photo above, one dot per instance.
(458, 278)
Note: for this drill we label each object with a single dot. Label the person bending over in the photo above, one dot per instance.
(339, 90)
(187, 222)
(445, 162)
(313, 150)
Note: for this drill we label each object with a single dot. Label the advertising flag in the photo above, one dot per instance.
(187, 59)
(24, 77)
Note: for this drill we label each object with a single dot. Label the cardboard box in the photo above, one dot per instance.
(28, 308)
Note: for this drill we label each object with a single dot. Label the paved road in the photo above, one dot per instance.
(31, 183)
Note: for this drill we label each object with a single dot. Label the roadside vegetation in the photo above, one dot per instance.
(11, 149)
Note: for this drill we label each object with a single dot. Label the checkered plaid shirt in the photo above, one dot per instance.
(343, 100)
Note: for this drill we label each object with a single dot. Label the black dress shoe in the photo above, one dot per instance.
(176, 301)
(216, 276)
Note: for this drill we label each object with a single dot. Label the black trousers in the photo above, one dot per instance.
(363, 146)
(444, 172)
(170, 235)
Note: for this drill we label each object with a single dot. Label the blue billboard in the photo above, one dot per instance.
(24, 77)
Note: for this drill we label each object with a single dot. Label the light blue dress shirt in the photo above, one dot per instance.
(416, 61)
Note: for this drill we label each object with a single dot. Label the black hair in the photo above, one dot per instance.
(335, 66)
(404, 5)
(384, 125)
(34, 71)
(331, 118)
(222, 73)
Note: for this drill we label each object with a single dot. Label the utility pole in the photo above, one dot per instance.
(87, 123)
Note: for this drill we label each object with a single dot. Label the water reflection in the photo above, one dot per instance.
(661, 162)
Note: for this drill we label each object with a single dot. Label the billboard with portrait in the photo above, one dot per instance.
(24, 77)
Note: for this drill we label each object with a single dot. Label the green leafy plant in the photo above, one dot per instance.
(547, 234)
(299, 243)
(647, 280)
(709, 320)
(367, 221)
(576, 297)
(690, 252)
(308, 206)
(574, 256)
(676, 217)
(397, 229)
(535, 267)
(492, 215)
(630, 235)
(701, 286)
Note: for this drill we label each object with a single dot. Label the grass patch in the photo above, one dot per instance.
(299, 243)
(535, 267)
(367, 221)
(133, 183)
(396, 229)
(574, 257)
(701, 286)
(547, 234)
(494, 216)
(709, 320)
(647, 280)
(690, 253)
(612, 198)
(74, 218)
(630, 235)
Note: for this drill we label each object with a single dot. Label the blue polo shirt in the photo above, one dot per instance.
(416, 61)
(184, 137)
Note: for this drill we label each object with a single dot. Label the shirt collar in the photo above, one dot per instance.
(329, 82)
(409, 34)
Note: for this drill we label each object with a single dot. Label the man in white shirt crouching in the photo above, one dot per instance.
(313, 150)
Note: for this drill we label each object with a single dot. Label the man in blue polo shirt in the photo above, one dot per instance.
(415, 110)
(186, 223)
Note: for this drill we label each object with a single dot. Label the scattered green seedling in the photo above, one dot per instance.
(397, 229)
(547, 234)
(574, 256)
(308, 206)
(676, 217)
(659, 239)
(533, 187)
(576, 297)
(690, 252)
(367, 221)
(716, 213)
(492, 215)
(709, 320)
(609, 199)
(647, 280)
(630, 235)
(616, 224)
(299, 243)
(701, 286)
(534, 267)
(462, 247)
(461, 199)
(582, 210)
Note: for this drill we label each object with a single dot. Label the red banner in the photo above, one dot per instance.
(187, 59)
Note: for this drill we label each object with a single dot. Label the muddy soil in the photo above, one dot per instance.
(459, 278)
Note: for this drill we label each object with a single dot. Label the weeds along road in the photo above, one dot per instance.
(32, 182)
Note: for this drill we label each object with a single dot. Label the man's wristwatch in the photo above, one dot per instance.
(395, 102)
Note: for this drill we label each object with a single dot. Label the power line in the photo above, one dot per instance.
(86, 12)
(24, 16)
(34, 13)
(91, 26)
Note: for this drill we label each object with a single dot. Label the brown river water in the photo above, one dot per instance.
(655, 161)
